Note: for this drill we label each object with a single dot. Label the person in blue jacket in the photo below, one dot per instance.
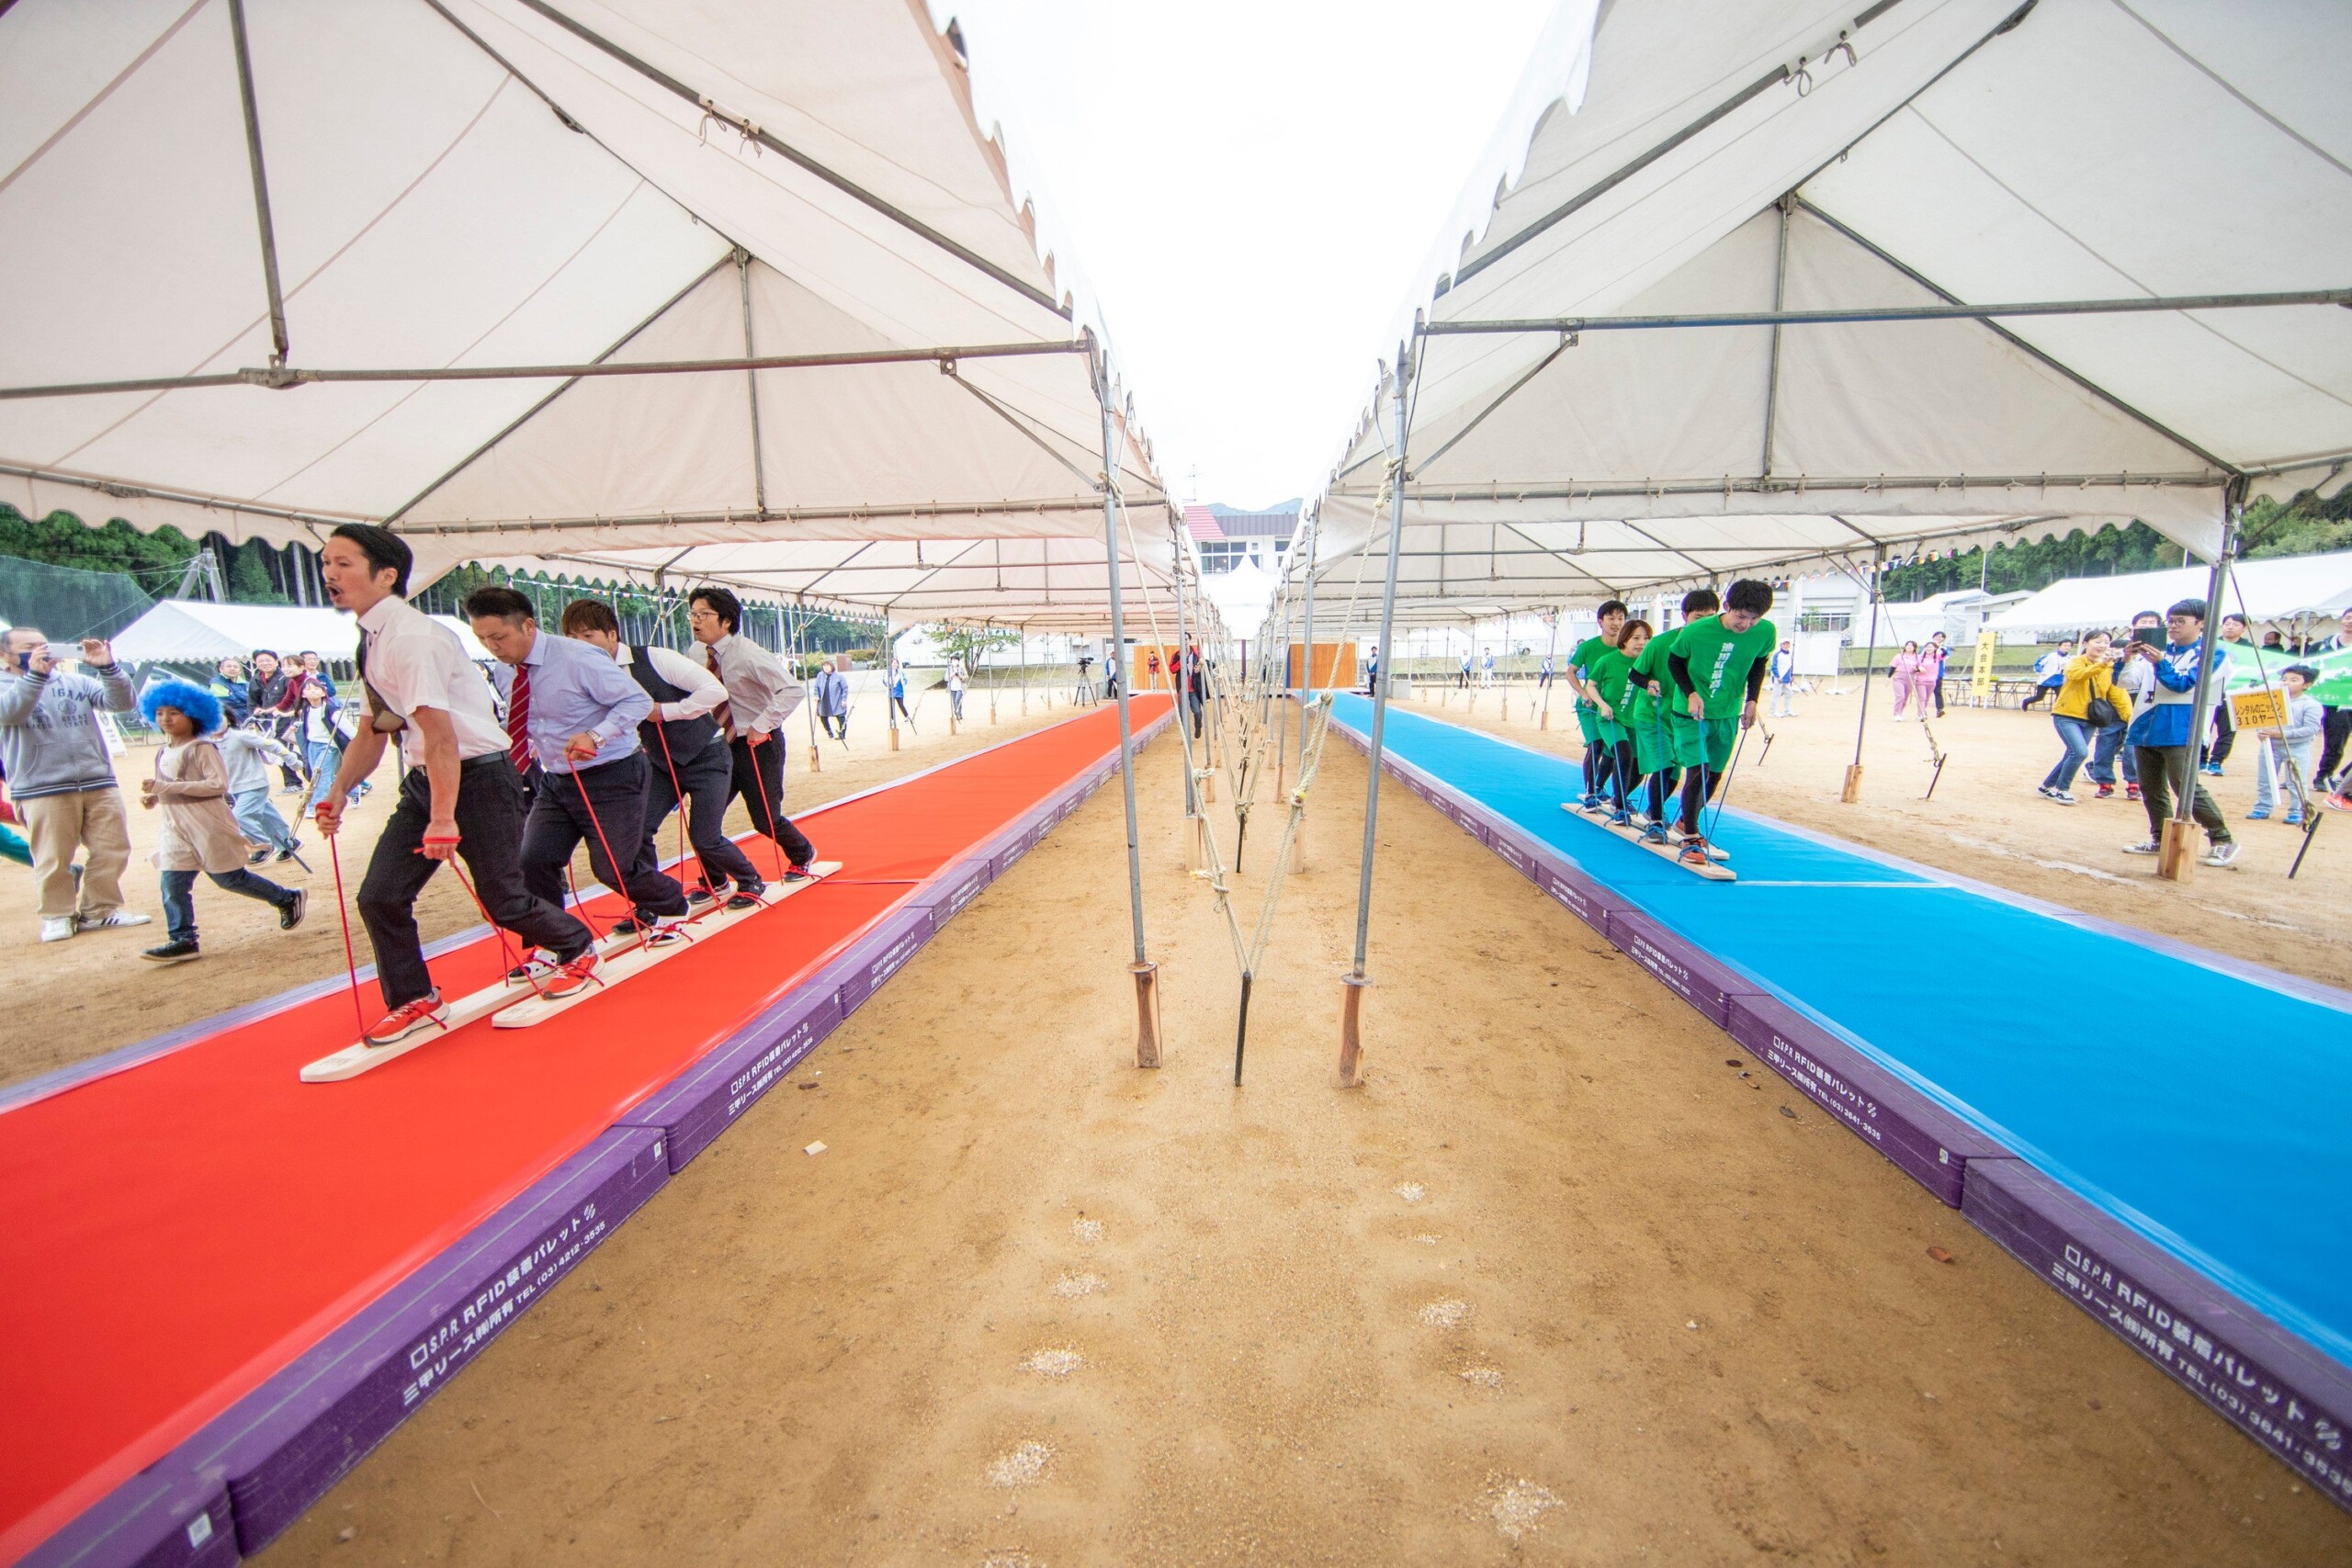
(2161, 734)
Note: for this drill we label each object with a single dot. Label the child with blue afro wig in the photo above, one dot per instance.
(199, 704)
(190, 784)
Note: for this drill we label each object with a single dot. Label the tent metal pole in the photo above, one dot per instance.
(752, 383)
(1772, 368)
(1853, 791)
(1550, 658)
(1350, 1035)
(2176, 854)
(1865, 314)
(279, 376)
(1184, 707)
(1146, 974)
(261, 183)
(1306, 675)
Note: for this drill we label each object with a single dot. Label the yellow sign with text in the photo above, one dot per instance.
(2258, 709)
(1980, 679)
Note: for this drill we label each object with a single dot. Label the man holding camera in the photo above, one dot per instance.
(2162, 732)
(62, 780)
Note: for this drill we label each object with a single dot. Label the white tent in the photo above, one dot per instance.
(304, 248)
(1578, 426)
(179, 631)
(1045, 582)
(2286, 589)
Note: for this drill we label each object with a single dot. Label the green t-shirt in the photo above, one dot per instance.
(1719, 659)
(1610, 678)
(1581, 661)
(1649, 665)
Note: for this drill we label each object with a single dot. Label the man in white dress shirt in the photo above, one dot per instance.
(680, 739)
(761, 695)
(460, 793)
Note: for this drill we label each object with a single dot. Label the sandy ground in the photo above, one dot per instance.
(1986, 822)
(1568, 1282)
(93, 993)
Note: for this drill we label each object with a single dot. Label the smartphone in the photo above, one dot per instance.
(2152, 636)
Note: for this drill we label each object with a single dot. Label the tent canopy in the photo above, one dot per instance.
(455, 185)
(1045, 583)
(189, 631)
(2316, 588)
(1737, 157)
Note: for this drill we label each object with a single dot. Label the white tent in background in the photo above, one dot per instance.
(2283, 591)
(1731, 159)
(457, 189)
(184, 631)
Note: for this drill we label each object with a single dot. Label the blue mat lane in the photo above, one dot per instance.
(2205, 1110)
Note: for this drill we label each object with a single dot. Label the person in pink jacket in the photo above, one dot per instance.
(1908, 683)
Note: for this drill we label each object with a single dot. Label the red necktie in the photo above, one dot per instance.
(724, 713)
(518, 720)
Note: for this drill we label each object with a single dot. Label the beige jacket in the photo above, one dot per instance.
(199, 832)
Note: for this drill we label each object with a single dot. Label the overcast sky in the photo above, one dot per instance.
(1250, 186)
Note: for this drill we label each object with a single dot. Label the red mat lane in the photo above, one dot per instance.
(179, 1231)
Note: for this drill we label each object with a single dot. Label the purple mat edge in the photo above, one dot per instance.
(2293, 1400)
(1988, 1184)
(145, 1522)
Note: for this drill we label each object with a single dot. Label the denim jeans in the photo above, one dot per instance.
(2102, 767)
(179, 906)
(2075, 735)
(322, 759)
(260, 820)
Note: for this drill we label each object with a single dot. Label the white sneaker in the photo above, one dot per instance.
(2062, 797)
(2149, 848)
(56, 928)
(117, 919)
(2223, 853)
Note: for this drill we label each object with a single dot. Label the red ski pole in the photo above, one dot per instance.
(343, 919)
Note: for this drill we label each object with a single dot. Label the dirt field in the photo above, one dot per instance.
(1986, 822)
(1559, 1285)
(93, 993)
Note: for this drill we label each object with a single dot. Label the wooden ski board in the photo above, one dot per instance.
(1713, 871)
(359, 1056)
(537, 1008)
(494, 1000)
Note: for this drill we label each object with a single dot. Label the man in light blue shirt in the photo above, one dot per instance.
(572, 713)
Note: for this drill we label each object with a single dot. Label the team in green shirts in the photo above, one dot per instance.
(1714, 673)
(1611, 674)
(1611, 617)
(1646, 718)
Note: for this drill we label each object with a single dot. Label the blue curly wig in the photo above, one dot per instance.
(201, 706)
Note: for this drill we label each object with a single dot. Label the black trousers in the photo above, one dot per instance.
(2335, 729)
(489, 834)
(758, 782)
(708, 779)
(836, 724)
(612, 813)
(2225, 733)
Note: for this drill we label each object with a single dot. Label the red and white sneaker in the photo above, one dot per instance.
(428, 1011)
(571, 978)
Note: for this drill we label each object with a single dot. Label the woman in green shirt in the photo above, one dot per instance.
(1611, 673)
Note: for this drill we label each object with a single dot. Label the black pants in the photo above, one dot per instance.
(836, 724)
(708, 779)
(2225, 733)
(2163, 774)
(1198, 708)
(600, 807)
(489, 833)
(1939, 696)
(1625, 775)
(2336, 728)
(1698, 788)
(758, 781)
